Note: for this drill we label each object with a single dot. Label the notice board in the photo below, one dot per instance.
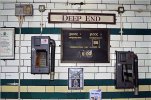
(85, 45)
(7, 48)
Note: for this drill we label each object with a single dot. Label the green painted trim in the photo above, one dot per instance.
(145, 81)
(99, 82)
(11, 95)
(113, 31)
(131, 31)
(44, 82)
(74, 95)
(38, 30)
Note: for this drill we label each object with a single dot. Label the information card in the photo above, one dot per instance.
(6, 43)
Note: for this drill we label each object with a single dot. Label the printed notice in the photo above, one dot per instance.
(95, 95)
(75, 78)
(6, 43)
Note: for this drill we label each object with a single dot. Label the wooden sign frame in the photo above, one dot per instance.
(84, 18)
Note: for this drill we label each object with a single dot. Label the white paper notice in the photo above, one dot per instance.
(7, 43)
(44, 41)
(95, 95)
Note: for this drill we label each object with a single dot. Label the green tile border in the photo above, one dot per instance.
(131, 31)
(113, 31)
(74, 95)
(38, 30)
(87, 82)
(70, 95)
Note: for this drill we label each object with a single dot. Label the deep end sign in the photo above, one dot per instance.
(88, 18)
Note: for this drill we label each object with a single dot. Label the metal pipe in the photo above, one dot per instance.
(19, 57)
(5, 1)
(121, 28)
(52, 69)
(0, 72)
(81, 9)
(71, 3)
(41, 24)
(138, 10)
(135, 78)
(19, 70)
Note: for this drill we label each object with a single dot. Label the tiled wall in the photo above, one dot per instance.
(140, 44)
(134, 17)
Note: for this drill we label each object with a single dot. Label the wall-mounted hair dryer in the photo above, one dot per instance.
(42, 60)
(127, 70)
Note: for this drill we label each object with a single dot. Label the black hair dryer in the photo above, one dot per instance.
(127, 70)
(42, 60)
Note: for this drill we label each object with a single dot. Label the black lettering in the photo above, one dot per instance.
(71, 18)
(78, 18)
(65, 18)
(98, 18)
(93, 18)
(87, 18)
(74, 18)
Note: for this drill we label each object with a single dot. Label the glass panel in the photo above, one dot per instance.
(41, 58)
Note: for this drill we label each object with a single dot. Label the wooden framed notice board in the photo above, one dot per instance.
(85, 45)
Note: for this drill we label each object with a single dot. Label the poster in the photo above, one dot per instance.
(95, 95)
(7, 43)
(75, 78)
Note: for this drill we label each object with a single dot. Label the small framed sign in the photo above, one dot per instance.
(75, 78)
(7, 43)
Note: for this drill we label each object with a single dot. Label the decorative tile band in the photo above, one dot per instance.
(113, 31)
(7, 88)
(73, 95)
(87, 82)
(58, 89)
